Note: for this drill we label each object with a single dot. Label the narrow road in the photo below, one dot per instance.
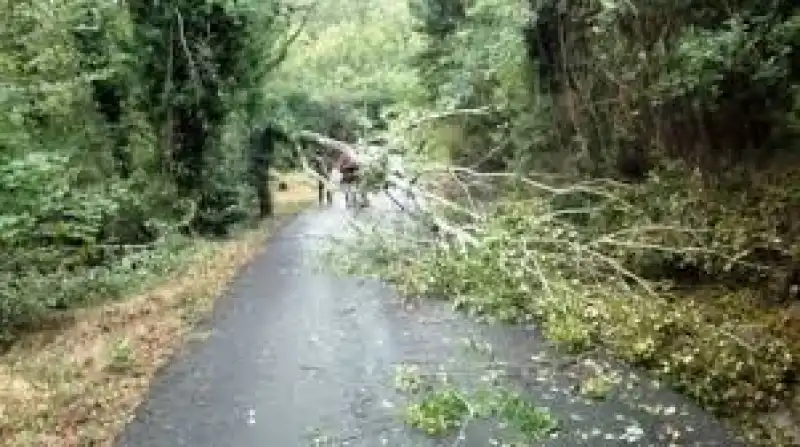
(299, 357)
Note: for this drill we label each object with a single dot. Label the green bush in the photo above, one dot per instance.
(122, 125)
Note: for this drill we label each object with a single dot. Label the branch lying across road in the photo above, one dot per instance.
(328, 143)
(412, 190)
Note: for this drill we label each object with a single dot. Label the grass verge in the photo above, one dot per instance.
(77, 382)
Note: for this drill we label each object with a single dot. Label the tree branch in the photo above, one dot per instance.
(480, 111)
(189, 57)
(283, 51)
(334, 146)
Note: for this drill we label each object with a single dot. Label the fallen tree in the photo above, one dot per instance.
(571, 255)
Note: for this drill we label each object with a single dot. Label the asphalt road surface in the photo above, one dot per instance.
(300, 357)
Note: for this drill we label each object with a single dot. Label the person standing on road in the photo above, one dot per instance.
(348, 165)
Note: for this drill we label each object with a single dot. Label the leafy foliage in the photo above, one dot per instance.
(346, 69)
(439, 407)
(120, 129)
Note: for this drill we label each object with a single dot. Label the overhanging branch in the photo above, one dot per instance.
(335, 146)
(283, 50)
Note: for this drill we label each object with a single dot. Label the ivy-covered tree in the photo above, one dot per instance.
(204, 60)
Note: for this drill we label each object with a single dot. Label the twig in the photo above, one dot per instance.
(283, 52)
(189, 58)
(481, 111)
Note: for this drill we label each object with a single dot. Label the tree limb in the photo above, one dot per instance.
(335, 146)
(480, 111)
(283, 51)
(189, 58)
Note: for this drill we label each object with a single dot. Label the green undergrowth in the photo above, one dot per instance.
(30, 299)
(26, 300)
(581, 281)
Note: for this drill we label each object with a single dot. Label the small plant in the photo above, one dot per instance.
(570, 330)
(596, 387)
(531, 421)
(408, 379)
(121, 356)
(439, 412)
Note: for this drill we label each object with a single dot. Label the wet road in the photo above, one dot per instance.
(299, 357)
